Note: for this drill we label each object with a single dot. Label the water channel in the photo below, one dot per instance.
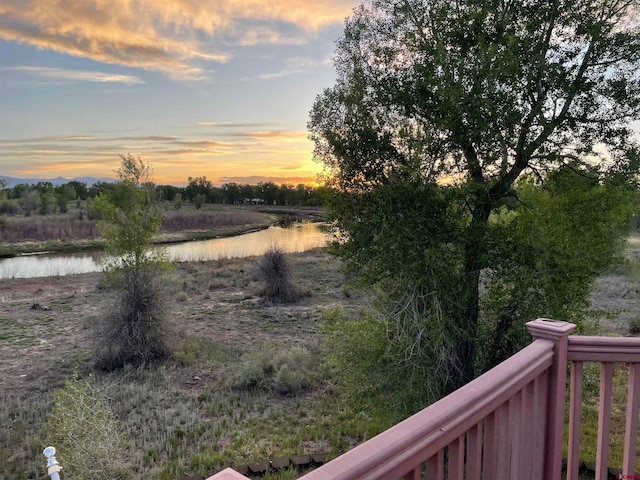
(298, 237)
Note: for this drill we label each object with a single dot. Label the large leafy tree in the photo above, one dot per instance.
(452, 104)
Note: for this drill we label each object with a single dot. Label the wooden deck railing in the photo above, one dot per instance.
(607, 351)
(506, 424)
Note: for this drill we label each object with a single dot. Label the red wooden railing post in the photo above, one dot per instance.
(558, 333)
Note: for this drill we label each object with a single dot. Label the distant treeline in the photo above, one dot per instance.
(45, 198)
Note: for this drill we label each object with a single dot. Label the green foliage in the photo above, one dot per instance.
(83, 429)
(131, 214)
(199, 200)
(559, 239)
(177, 201)
(397, 360)
(435, 115)
(270, 368)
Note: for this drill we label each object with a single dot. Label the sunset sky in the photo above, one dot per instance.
(220, 88)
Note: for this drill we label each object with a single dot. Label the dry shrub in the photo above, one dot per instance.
(275, 273)
(134, 332)
(82, 428)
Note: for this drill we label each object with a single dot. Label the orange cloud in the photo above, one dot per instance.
(163, 35)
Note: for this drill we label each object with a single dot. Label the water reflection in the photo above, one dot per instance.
(297, 238)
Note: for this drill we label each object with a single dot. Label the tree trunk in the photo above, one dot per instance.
(462, 368)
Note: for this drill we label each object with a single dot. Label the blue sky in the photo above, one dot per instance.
(220, 88)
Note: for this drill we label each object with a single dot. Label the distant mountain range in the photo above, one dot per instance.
(12, 181)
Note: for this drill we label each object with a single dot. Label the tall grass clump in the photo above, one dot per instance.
(275, 273)
(83, 429)
(269, 368)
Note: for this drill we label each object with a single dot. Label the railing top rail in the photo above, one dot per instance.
(604, 349)
(428, 431)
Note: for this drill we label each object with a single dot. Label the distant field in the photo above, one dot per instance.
(69, 231)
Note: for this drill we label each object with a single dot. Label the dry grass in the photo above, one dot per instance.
(203, 219)
(615, 304)
(182, 418)
(47, 228)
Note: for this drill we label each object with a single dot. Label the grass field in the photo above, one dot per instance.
(246, 381)
(197, 413)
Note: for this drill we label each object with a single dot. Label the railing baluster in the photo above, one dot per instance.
(504, 454)
(456, 460)
(415, 474)
(604, 420)
(527, 431)
(575, 416)
(490, 454)
(435, 467)
(516, 439)
(541, 387)
(474, 452)
(631, 428)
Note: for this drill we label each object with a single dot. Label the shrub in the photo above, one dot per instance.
(9, 207)
(634, 326)
(276, 276)
(134, 332)
(387, 363)
(270, 368)
(199, 200)
(82, 428)
(177, 201)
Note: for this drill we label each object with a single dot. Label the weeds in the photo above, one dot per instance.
(276, 276)
(84, 431)
(270, 368)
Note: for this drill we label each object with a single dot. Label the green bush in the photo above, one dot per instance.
(84, 432)
(199, 200)
(386, 364)
(270, 368)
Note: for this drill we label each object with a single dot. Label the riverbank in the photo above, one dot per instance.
(9, 250)
(67, 234)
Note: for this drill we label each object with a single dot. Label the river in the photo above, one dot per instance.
(298, 237)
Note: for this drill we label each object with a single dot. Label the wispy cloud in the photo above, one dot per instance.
(275, 136)
(294, 66)
(73, 75)
(225, 151)
(231, 124)
(174, 37)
